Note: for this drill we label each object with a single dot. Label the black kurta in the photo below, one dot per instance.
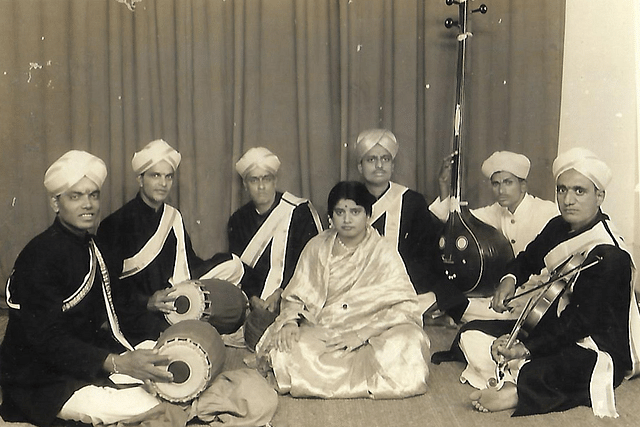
(558, 375)
(244, 224)
(48, 354)
(418, 247)
(122, 234)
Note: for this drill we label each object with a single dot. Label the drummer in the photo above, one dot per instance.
(59, 346)
(63, 342)
(147, 245)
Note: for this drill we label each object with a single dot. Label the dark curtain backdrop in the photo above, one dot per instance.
(302, 77)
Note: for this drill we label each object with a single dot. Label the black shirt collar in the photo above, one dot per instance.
(60, 228)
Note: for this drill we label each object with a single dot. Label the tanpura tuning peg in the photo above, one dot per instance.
(482, 9)
(450, 2)
(450, 23)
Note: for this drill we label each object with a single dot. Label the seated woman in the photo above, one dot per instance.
(349, 324)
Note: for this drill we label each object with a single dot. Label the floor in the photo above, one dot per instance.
(445, 404)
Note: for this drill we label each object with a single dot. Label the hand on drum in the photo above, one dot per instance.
(272, 303)
(144, 365)
(257, 302)
(506, 289)
(162, 301)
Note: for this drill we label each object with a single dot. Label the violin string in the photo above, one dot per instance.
(576, 269)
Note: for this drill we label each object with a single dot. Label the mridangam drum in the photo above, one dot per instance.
(196, 354)
(192, 302)
(218, 302)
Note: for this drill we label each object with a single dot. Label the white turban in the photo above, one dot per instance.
(369, 138)
(70, 168)
(152, 154)
(506, 161)
(257, 157)
(585, 162)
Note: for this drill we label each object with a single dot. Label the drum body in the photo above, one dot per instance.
(218, 302)
(196, 354)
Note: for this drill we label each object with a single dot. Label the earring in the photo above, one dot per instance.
(330, 223)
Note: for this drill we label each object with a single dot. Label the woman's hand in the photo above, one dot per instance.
(162, 301)
(284, 339)
(348, 341)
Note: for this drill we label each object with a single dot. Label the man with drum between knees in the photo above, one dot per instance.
(148, 246)
(63, 340)
(579, 349)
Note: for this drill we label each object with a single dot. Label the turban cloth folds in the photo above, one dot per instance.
(369, 138)
(585, 162)
(152, 154)
(70, 168)
(506, 161)
(257, 157)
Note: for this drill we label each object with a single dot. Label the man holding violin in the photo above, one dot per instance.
(577, 348)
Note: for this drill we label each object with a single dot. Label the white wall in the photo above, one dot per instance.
(600, 98)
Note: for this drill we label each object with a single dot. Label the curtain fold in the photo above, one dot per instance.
(302, 77)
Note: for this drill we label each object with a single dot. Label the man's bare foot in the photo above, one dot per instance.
(492, 400)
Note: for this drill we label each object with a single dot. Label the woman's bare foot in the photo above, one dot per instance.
(492, 400)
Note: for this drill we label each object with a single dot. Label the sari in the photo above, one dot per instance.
(366, 291)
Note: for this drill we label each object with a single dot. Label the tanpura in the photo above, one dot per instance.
(474, 253)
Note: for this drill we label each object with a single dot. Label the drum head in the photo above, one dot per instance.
(191, 370)
(191, 303)
(196, 354)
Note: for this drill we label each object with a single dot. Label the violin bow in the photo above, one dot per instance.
(574, 270)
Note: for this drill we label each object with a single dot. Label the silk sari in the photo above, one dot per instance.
(366, 291)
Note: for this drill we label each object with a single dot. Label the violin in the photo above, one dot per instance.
(561, 279)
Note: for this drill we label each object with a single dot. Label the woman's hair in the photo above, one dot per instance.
(351, 190)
